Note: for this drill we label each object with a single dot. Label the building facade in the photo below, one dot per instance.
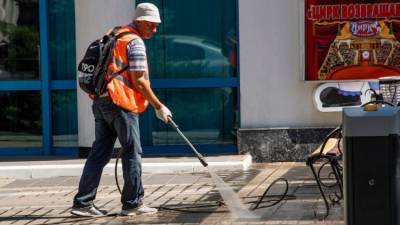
(226, 69)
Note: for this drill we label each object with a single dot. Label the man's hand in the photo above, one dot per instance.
(163, 113)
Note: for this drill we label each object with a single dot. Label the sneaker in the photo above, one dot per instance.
(139, 211)
(89, 211)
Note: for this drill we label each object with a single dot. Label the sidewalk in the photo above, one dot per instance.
(47, 200)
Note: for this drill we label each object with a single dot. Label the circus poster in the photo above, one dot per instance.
(351, 40)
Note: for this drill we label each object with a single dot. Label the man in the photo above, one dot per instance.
(117, 115)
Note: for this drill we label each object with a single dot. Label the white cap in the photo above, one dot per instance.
(147, 12)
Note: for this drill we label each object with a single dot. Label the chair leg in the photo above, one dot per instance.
(340, 171)
(320, 189)
(338, 177)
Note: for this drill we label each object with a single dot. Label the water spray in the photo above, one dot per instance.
(230, 199)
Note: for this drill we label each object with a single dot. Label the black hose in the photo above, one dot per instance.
(377, 102)
(282, 197)
(195, 208)
(186, 209)
(176, 127)
(116, 170)
(181, 208)
(67, 219)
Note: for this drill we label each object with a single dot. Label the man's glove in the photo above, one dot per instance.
(163, 113)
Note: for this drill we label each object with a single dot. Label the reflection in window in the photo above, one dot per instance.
(19, 40)
(62, 39)
(191, 45)
(65, 119)
(20, 115)
(206, 116)
(183, 51)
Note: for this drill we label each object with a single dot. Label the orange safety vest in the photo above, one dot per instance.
(120, 86)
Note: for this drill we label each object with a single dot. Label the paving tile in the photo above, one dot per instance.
(274, 222)
(54, 197)
(185, 179)
(4, 182)
(110, 180)
(70, 182)
(23, 217)
(20, 183)
(159, 179)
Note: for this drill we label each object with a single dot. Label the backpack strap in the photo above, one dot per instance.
(120, 36)
(123, 69)
(123, 34)
(114, 32)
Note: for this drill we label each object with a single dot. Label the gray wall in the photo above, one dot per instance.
(93, 18)
(271, 67)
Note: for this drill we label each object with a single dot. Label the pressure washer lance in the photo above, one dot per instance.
(173, 124)
(199, 156)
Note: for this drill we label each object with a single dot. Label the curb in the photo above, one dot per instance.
(46, 169)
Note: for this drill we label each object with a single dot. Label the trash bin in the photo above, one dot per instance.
(371, 165)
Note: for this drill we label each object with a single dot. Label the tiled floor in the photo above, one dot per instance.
(47, 201)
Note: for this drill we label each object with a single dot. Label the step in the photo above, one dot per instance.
(25, 168)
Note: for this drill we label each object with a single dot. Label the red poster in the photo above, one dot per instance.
(352, 40)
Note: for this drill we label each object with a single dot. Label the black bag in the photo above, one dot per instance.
(93, 67)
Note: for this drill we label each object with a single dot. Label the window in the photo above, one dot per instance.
(62, 39)
(189, 44)
(19, 40)
(200, 51)
(62, 60)
(20, 119)
(27, 84)
(206, 116)
(65, 117)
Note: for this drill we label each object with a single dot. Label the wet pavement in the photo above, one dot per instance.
(183, 198)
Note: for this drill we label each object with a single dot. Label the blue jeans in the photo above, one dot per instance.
(111, 122)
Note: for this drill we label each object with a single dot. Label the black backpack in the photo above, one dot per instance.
(93, 67)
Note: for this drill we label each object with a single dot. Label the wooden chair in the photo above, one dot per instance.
(329, 153)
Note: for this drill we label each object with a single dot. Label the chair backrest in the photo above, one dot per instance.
(331, 146)
(332, 142)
